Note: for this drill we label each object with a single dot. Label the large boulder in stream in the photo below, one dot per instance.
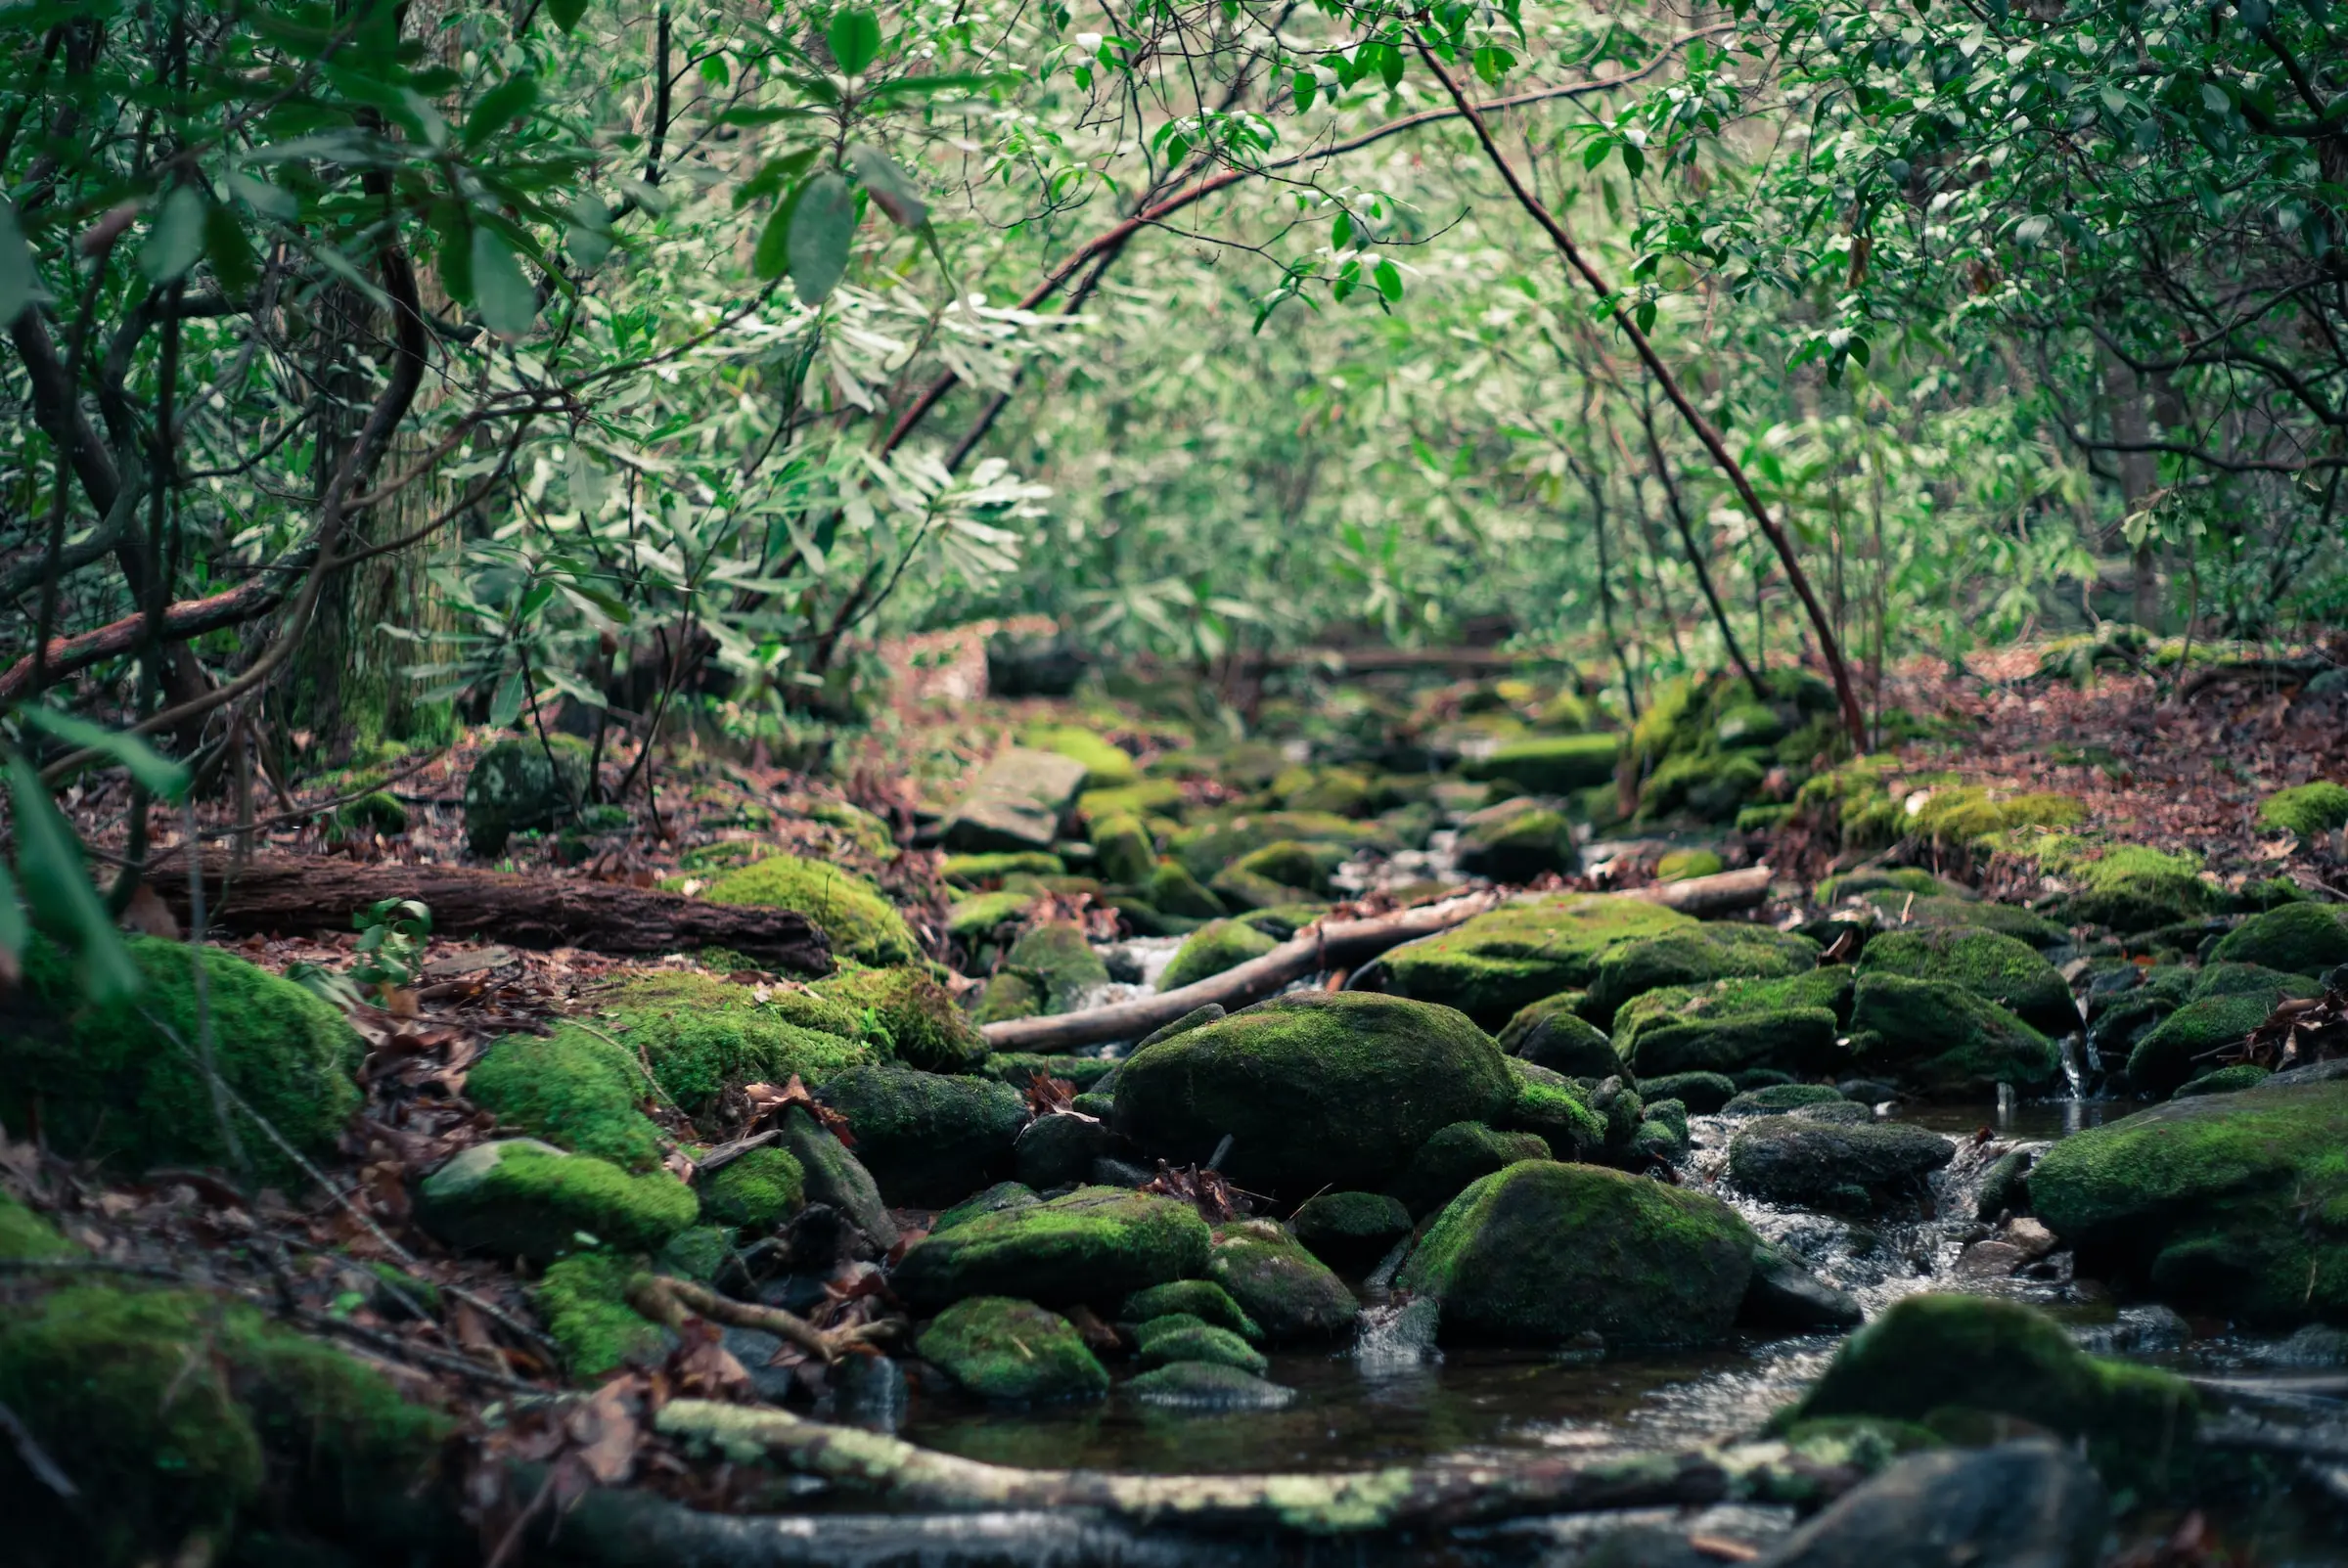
(1995, 968)
(1002, 1349)
(1096, 1245)
(928, 1139)
(2232, 1204)
(1852, 1168)
(1790, 1024)
(1939, 1038)
(2027, 1504)
(2297, 938)
(1017, 802)
(1318, 1090)
(1291, 1295)
(1542, 1252)
(1717, 951)
(1495, 963)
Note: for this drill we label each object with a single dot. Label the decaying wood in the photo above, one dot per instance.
(1452, 1490)
(668, 1300)
(1333, 945)
(299, 896)
(1717, 894)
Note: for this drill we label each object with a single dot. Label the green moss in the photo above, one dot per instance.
(1703, 1093)
(1943, 1040)
(1929, 1356)
(1693, 956)
(1001, 1196)
(1731, 1025)
(1552, 1033)
(980, 917)
(915, 1017)
(378, 813)
(1539, 1253)
(1280, 1285)
(1457, 1156)
(1555, 1109)
(1678, 865)
(1008, 995)
(523, 1199)
(1493, 965)
(1350, 1231)
(1517, 847)
(2297, 938)
(978, 870)
(1206, 1343)
(1018, 1067)
(522, 783)
(1997, 969)
(2225, 1081)
(1214, 947)
(1964, 816)
(1056, 963)
(1898, 879)
(928, 1139)
(755, 1193)
(1199, 1300)
(1772, 1099)
(110, 1082)
(1710, 785)
(2309, 810)
(1899, 909)
(1097, 1245)
(1549, 765)
(1122, 851)
(705, 1036)
(861, 923)
(1005, 1349)
(1152, 797)
(574, 1088)
(583, 1302)
(2132, 888)
(1340, 792)
(1316, 1088)
(1173, 890)
(1208, 847)
(2170, 1055)
(1105, 767)
(26, 1234)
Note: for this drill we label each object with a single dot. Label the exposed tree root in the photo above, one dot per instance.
(668, 1300)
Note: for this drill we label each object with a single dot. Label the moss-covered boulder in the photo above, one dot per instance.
(1539, 1253)
(1281, 873)
(1053, 966)
(1551, 1033)
(109, 1084)
(1457, 1156)
(1172, 889)
(1200, 1299)
(2134, 889)
(1001, 1195)
(990, 869)
(1938, 1038)
(1062, 1147)
(2297, 939)
(1711, 786)
(1207, 847)
(1704, 1094)
(1549, 765)
(1945, 1360)
(583, 1301)
(26, 1234)
(1895, 908)
(756, 1191)
(1121, 850)
(518, 1197)
(1685, 865)
(1205, 1386)
(1517, 846)
(2310, 810)
(909, 1015)
(928, 1139)
(2234, 1204)
(1997, 968)
(2225, 1081)
(860, 921)
(1290, 1295)
(573, 1087)
(2178, 1049)
(1098, 1244)
(1771, 1100)
(1853, 1169)
(1202, 1342)
(1791, 1024)
(1350, 1231)
(979, 918)
(1340, 791)
(521, 785)
(1314, 1090)
(1718, 951)
(1214, 947)
(836, 1178)
(704, 1037)
(191, 1423)
(1001, 1348)
(1560, 1111)
(1495, 963)
(1016, 804)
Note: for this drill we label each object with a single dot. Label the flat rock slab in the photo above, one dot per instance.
(1016, 803)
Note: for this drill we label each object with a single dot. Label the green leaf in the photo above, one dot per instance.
(892, 191)
(263, 197)
(13, 932)
(165, 778)
(1389, 66)
(1306, 85)
(1492, 63)
(229, 251)
(500, 292)
(1341, 231)
(855, 39)
(20, 279)
(772, 258)
(821, 229)
(774, 175)
(566, 12)
(505, 706)
(499, 108)
(175, 239)
(1388, 279)
(589, 237)
(942, 82)
(58, 888)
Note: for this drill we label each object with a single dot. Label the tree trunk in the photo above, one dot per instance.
(2139, 473)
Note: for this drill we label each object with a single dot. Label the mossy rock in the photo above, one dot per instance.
(1098, 1244)
(2297, 939)
(1495, 963)
(1214, 947)
(1001, 1196)
(1279, 873)
(1203, 1342)
(1201, 1299)
(1062, 1148)
(1549, 764)
(1852, 1169)
(1121, 850)
(1173, 890)
(980, 917)
(1704, 1094)
(1717, 951)
(1552, 1033)
(756, 1191)
(1791, 1024)
(1457, 1156)
(1940, 1039)
(1207, 847)
(1315, 1089)
(836, 1177)
(2001, 970)
(1539, 1253)
(1338, 791)
(1900, 909)
(705, 1036)
(1008, 995)
(1557, 1109)
(1712, 786)
(1056, 963)
(1930, 1359)
(572, 1088)
(519, 1197)
(1519, 847)
(1204, 1386)
(2234, 1204)
(1150, 798)
(1016, 804)
(860, 921)
(183, 1414)
(1350, 1231)
(26, 1234)
(2309, 810)
(928, 1139)
(1001, 1348)
(1684, 865)
(522, 783)
(1105, 766)
(1019, 1068)
(2132, 888)
(1293, 1296)
(915, 1017)
(983, 869)
(2225, 1081)
(1281, 922)
(2173, 1053)
(583, 1301)
(109, 1085)
(378, 813)
(1769, 1100)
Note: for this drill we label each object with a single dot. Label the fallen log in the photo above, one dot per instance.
(1717, 894)
(1334, 945)
(1457, 1490)
(294, 895)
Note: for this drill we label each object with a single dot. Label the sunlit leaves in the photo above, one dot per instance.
(822, 230)
(507, 300)
(855, 39)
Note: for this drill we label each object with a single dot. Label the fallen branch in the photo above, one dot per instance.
(669, 1301)
(291, 894)
(1442, 1492)
(1716, 894)
(1335, 944)
(193, 617)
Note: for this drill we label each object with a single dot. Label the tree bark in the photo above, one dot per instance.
(291, 895)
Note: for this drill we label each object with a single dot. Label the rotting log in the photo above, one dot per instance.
(1331, 945)
(1717, 894)
(1456, 1490)
(291, 895)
